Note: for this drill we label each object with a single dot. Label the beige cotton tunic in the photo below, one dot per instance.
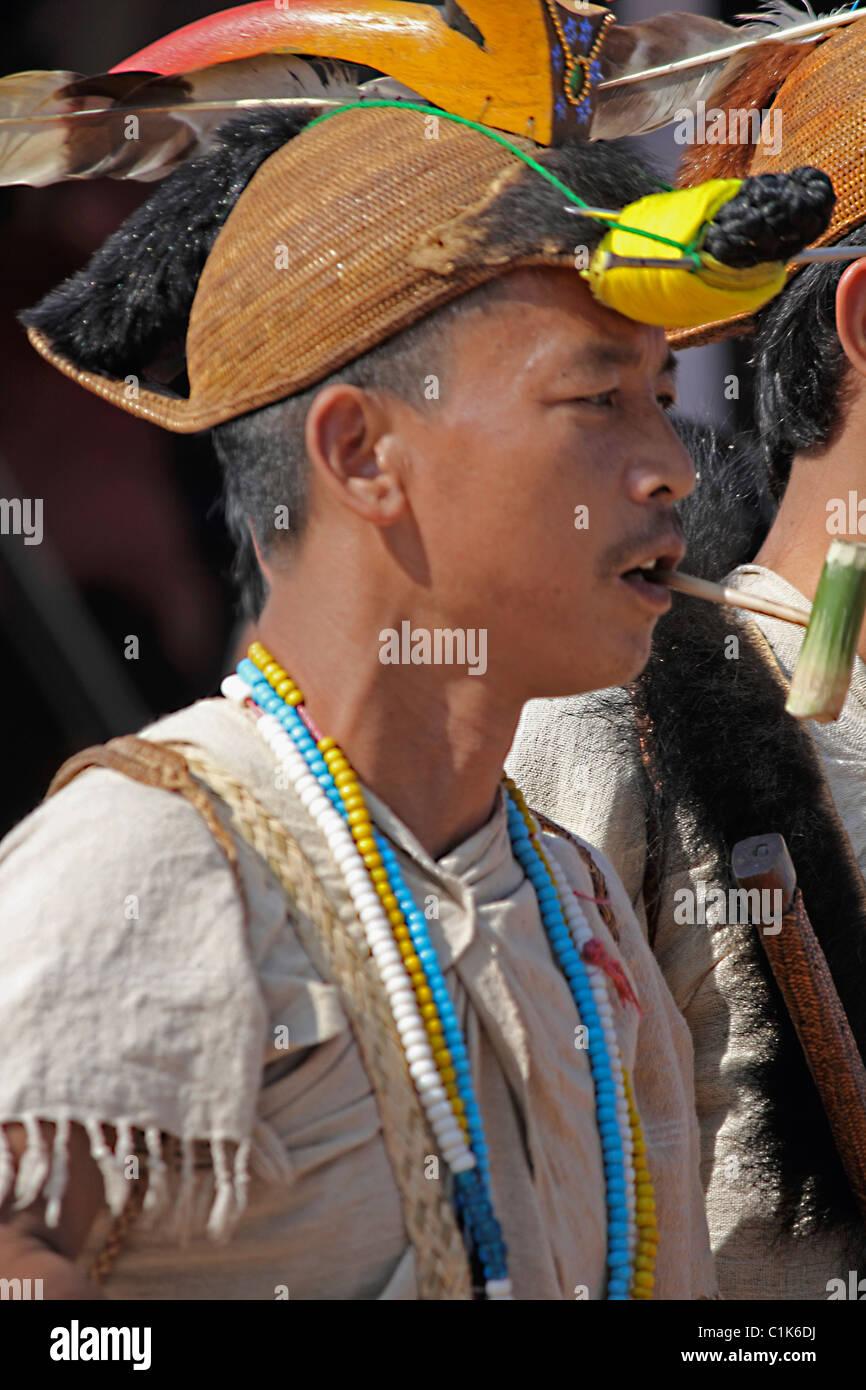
(171, 1020)
(575, 765)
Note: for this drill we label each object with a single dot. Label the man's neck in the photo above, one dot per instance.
(429, 741)
(815, 510)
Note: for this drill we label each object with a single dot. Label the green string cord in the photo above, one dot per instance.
(521, 154)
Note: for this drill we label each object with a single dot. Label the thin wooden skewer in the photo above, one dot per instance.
(731, 598)
(613, 261)
(800, 31)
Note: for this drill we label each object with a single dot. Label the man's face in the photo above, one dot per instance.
(546, 472)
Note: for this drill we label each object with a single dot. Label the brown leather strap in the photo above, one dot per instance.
(340, 954)
(104, 1260)
(810, 996)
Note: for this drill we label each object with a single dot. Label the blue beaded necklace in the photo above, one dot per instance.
(472, 1190)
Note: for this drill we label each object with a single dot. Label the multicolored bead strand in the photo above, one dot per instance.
(471, 1188)
(338, 776)
(396, 932)
(551, 901)
(582, 937)
(373, 918)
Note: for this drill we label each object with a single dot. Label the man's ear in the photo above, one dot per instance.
(355, 454)
(851, 314)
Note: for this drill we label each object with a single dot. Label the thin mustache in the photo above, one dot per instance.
(671, 537)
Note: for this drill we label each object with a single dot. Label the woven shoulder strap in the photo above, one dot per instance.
(442, 1267)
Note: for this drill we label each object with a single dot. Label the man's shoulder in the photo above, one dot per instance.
(745, 576)
(129, 992)
(211, 723)
(579, 737)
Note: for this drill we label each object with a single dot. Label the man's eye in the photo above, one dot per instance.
(605, 398)
(666, 400)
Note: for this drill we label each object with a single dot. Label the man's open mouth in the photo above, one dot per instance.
(645, 582)
(647, 570)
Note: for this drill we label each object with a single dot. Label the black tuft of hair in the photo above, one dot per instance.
(801, 371)
(605, 173)
(728, 762)
(129, 306)
(771, 218)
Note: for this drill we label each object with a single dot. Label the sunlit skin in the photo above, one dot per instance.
(461, 514)
(797, 544)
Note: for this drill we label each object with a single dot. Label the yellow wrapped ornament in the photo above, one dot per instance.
(672, 226)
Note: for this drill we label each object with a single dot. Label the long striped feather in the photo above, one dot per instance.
(58, 125)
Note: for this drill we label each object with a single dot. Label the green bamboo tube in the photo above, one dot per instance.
(823, 672)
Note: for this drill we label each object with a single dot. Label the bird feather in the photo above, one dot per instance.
(699, 58)
(125, 125)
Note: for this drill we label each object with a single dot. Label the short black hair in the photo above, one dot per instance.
(263, 457)
(801, 371)
(127, 311)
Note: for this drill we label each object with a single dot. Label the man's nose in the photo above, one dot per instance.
(662, 466)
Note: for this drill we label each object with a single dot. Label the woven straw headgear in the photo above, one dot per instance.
(353, 230)
(823, 122)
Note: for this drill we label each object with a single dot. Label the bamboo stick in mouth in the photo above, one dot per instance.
(822, 675)
(731, 598)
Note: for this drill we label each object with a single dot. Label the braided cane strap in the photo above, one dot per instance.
(441, 1263)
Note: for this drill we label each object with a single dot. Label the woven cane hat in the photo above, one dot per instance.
(821, 98)
(353, 230)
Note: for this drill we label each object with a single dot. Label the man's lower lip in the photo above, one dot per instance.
(655, 596)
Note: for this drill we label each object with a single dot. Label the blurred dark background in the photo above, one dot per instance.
(134, 543)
